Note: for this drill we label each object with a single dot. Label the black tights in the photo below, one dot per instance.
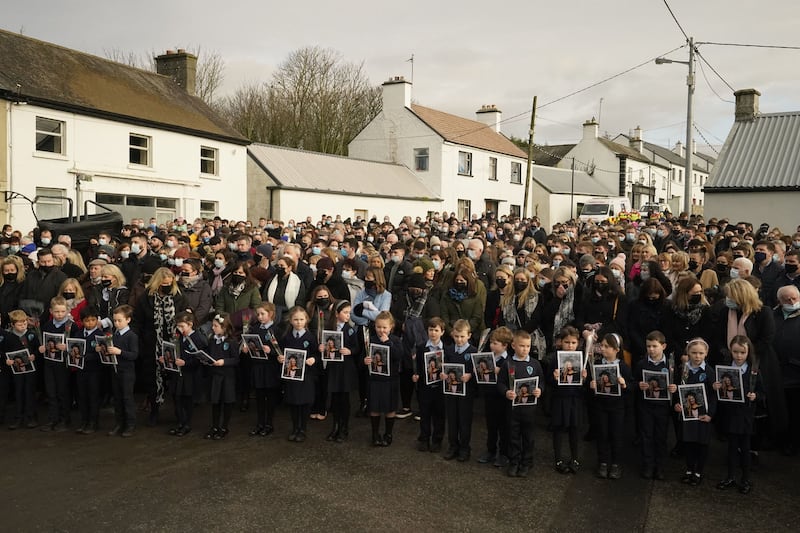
(266, 401)
(739, 454)
(558, 434)
(299, 417)
(340, 408)
(376, 424)
(696, 455)
(226, 409)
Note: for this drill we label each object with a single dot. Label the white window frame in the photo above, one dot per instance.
(207, 213)
(211, 158)
(465, 166)
(58, 136)
(422, 159)
(518, 167)
(493, 169)
(464, 209)
(147, 149)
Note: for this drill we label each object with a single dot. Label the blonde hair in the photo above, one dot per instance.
(682, 258)
(745, 295)
(529, 291)
(114, 272)
(74, 258)
(158, 278)
(17, 262)
(74, 283)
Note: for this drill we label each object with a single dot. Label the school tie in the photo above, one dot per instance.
(296, 334)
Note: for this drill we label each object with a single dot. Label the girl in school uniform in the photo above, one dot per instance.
(609, 411)
(223, 375)
(737, 418)
(266, 373)
(384, 390)
(189, 380)
(299, 395)
(567, 405)
(342, 375)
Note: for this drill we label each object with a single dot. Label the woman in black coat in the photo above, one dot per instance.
(10, 287)
(603, 309)
(648, 313)
(559, 305)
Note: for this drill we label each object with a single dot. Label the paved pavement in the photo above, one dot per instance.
(154, 482)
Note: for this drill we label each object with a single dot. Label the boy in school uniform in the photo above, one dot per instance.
(126, 348)
(495, 403)
(521, 419)
(654, 415)
(56, 371)
(88, 377)
(21, 337)
(430, 397)
(458, 409)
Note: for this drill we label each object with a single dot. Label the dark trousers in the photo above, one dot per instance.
(610, 427)
(739, 455)
(558, 434)
(458, 412)
(432, 413)
(406, 388)
(320, 393)
(299, 417)
(221, 415)
(5, 387)
(696, 455)
(496, 409)
(653, 424)
(520, 442)
(124, 403)
(24, 396)
(184, 408)
(56, 385)
(88, 387)
(266, 401)
(340, 408)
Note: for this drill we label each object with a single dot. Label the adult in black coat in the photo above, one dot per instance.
(603, 310)
(690, 318)
(10, 287)
(559, 305)
(649, 312)
(41, 285)
(787, 333)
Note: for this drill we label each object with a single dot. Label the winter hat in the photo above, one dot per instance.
(619, 261)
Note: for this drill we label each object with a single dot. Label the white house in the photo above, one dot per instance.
(467, 163)
(77, 127)
(285, 183)
(757, 175)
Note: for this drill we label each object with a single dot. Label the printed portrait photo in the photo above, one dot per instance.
(607, 380)
(332, 342)
(76, 348)
(294, 364)
(453, 384)
(657, 383)
(693, 401)
(50, 341)
(523, 390)
(433, 367)
(379, 355)
(570, 365)
(484, 368)
(254, 346)
(731, 385)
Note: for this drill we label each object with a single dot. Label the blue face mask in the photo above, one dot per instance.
(343, 252)
(731, 304)
(316, 250)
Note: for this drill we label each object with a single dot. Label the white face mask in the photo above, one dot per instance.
(135, 248)
(734, 273)
(102, 242)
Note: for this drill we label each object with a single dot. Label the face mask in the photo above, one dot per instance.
(185, 274)
(712, 233)
(520, 286)
(749, 242)
(595, 240)
(322, 302)
(370, 238)
(165, 289)
(490, 235)
(4, 246)
(554, 249)
(653, 301)
(644, 275)
(280, 271)
(370, 285)
(238, 278)
(621, 238)
(285, 238)
(45, 241)
(601, 287)
(617, 274)
(630, 237)
(320, 275)
(10, 277)
(501, 283)
(68, 295)
(179, 262)
(517, 238)
(396, 259)
(472, 255)
(125, 254)
(346, 274)
(135, 248)
(556, 263)
(791, 308)
(566, 251)
(459, 253)
(692, 264)
(695, 299)
(461, 285)
(759, 257)
(45, 269)
(343, 252)
(661, 233)
(436, 264)
(790, 269)
(170, 244)
(106, 283)
(731, 304)
(140, 225)
(734, 273)
(232, 246)
(541, 283)
(219, 263)
(316, 250)
(796, 244)
(14, 248)
(163, 257)
(722, 269)
(643, 241)
(101, 242)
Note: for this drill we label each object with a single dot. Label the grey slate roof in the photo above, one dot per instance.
(761, 154)
(559, 181)
(550, 156)
(315, 172)
(676, 159)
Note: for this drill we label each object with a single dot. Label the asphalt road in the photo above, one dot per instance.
(155, 482)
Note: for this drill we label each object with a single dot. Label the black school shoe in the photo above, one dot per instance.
(211, 433)
(561, 467)
(256, 431)
(436, 447)
(726, 484)
(221, 434)
(745, 486)
(523, 471)
(696, 480)
(450, 454)
(266, 430)
(130, 431)
(183, 431)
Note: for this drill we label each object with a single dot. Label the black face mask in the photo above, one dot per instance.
(105, 283)
(520, 286)
(280, 271)
(723, 269)
(653, 301)
(237, 278)
(692, 264)
(501, 283)
(322, 303)
(68, 295)
(461, 286)
(164, 289)
(321, 274)
(695, 299)
(790, 269)
(10, 277)
(460, 253)
(601, 288)
(370, 285)
(45, 269)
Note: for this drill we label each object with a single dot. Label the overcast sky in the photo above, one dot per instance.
(470, 52)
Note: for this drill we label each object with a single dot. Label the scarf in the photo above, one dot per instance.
(456, 295)
(736, 325)
(692, 314)
(290, 292)
(164, 322)
(510, 314)
(236, 290)
(189, 281)
(566, 312)
(216, 283)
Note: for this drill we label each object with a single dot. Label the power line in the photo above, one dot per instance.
(715, 71)
(704, 138)
(709, 132)
(703, 71)
(744, 45)
(676, 20)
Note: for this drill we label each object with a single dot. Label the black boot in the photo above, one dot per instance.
(344, 432)
(332, 436)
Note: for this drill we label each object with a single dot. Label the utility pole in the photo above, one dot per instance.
(687, 186)
(572, 192)
(530, 161)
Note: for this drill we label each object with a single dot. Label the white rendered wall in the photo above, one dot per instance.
(298, 205)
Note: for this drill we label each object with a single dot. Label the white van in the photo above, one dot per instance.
(600, 209)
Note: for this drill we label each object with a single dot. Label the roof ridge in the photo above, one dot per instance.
(325, 154)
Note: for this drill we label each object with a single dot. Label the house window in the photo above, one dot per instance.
(493, 168)
(139, 149)
(680, 175)
(694, 178)
(49, 135)
(516, 172)
(464, 209)
(208, 160)
(208, 209)
(465, 163)
(514, 210)
(54, 205)
(421, 157)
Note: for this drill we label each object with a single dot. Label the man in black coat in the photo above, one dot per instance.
(41, 285)
(769, 272)
(787, 333)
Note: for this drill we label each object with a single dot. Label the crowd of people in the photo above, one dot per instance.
(393, 310)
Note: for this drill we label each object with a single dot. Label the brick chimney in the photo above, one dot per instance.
(181, 66)
(636, 141)
(489, 115)
(396, 93)
(746, 104)
(590, 129)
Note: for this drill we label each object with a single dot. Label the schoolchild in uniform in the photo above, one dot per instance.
(188, 381)
(383, 391)
(266, 372)
(458, 409)
(223, 375)
(609, 411)
(495, 403)
(521, 419)
(430, 397)
(567, 405)
(654, 414)
(342, 375)
(21, 337)
(126, 350)
(56, 372)
(88, 377)
(737, 418)
(299, 395)
(696, 434)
